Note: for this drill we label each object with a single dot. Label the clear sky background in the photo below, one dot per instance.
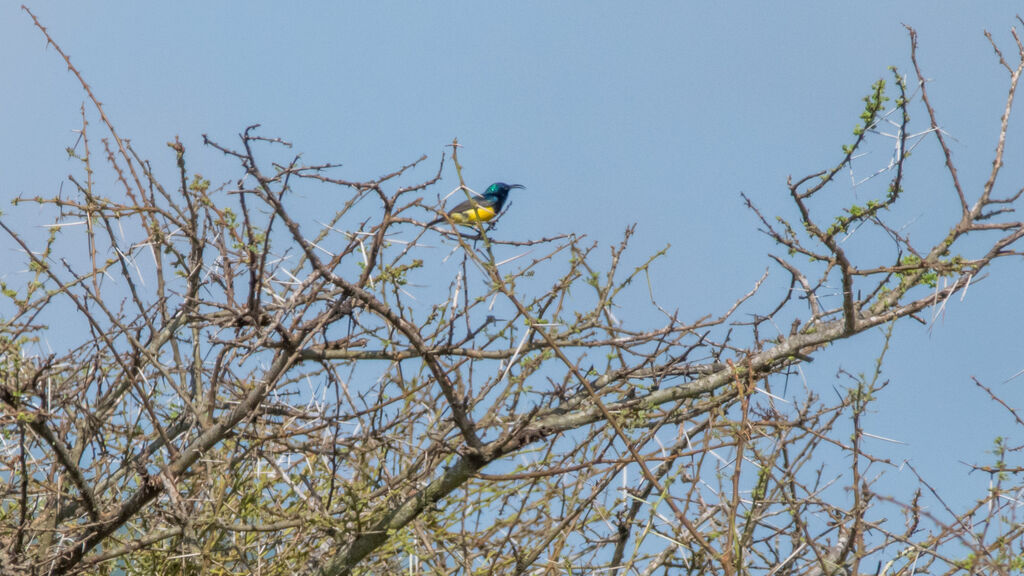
(657, 113)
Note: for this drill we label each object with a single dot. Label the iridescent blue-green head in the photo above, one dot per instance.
(497, 193)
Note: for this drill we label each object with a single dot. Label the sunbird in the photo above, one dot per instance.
(480, 209)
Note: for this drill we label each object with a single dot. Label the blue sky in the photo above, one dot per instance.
(656, 113)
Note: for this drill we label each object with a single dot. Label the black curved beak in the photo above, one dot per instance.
(516, 186)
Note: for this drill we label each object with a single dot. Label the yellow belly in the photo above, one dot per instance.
(478, 214)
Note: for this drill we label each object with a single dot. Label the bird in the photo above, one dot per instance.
(482, 208)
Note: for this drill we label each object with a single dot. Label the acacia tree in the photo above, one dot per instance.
(240, 386)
